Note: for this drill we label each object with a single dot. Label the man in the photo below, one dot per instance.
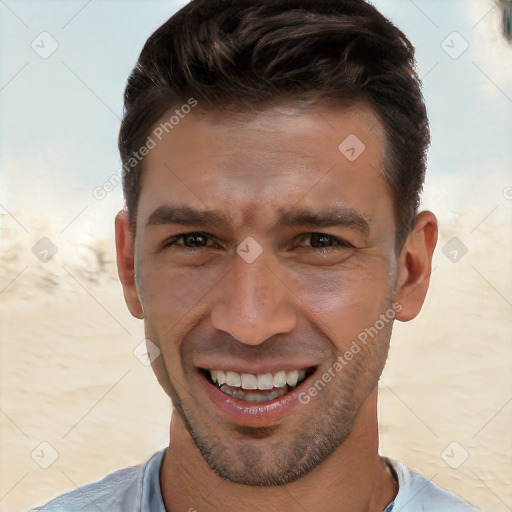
(274, 154)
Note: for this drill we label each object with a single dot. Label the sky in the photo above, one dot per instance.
(60, 111)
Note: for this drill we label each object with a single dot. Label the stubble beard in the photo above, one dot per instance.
(268, 457)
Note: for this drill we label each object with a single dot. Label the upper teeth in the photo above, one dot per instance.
(263, 381)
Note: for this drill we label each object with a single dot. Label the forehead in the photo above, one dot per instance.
(249, 163)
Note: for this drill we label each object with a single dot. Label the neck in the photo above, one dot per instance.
(354, 478)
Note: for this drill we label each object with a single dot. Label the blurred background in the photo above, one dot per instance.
(77, 397)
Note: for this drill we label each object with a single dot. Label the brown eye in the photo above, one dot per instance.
(194, 240)
(323, 240)
(320, 240)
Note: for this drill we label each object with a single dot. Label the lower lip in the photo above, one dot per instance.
(252, 414)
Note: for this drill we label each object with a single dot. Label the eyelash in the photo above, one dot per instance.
(336, 242)
(172, 241)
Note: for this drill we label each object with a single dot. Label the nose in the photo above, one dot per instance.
(253, 303)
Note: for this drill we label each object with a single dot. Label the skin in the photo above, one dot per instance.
(301, 303)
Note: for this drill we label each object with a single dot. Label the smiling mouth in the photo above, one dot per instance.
(261, 387)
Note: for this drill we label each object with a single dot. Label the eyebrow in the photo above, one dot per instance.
(186, 216)
(323, 218)
(292, 217)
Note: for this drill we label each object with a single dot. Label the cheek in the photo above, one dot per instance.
(172, 293)
(171, 301)
(343, 302)
(175, 300)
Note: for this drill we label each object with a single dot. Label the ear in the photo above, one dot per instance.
(125, 245)
(415, 266)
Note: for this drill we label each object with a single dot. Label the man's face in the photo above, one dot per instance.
(263, 248)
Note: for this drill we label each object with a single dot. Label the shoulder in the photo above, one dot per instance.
(417, 493)
(119, 491)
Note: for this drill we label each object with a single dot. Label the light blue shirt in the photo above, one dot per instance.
(137, 489)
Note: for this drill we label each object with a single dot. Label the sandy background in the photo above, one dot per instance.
(69, 377)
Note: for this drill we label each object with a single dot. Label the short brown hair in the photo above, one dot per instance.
(248, 52)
